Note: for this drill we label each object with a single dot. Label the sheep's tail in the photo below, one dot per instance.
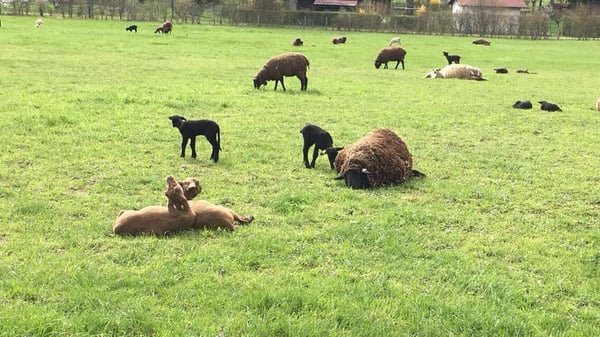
(219, 138)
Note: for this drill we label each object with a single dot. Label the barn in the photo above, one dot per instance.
(487, 16)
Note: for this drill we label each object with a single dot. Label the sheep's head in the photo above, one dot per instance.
(332, 153)
(191, 187)
(378, 64)
(435, 73)
(174, 192)
(259, 81)
(177, 120)
(355, 178)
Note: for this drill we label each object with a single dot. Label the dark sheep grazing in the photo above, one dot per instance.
(482, 42)
(389, 54)
(451, 58)
(546, 106)
(167, 27)
(522, 105)
(321, 139)
(132, 28)
(190, 129)
(378, 159)
(339, 40)
(288, 64)
(501, 71)
(297, 42)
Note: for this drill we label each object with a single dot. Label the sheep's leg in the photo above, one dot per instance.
(385, 66)
(282, 85)
(212, 139)
(183, 145)
(315, 155)
(307, 145)
(193, 146)
(303, 82)
(397, 63)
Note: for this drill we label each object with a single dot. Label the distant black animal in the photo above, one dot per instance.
(297, 42)
(451, 58)
(522, 105)
(132, 28)
(321, 139)
(501, 71)
(190, 129)
(167, 27)
(549, 106)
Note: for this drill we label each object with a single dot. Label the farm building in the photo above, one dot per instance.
(328, 5)
(487, 16)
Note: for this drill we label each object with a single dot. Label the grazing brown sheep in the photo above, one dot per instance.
(482, 42)
(158, 220)
(167, 27)
(388, 54)
(380, 158)
(288, 64)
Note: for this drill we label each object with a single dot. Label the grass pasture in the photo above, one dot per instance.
(500, 239)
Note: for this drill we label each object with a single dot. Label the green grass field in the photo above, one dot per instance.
(500, 239)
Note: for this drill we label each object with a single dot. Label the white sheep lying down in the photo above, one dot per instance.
(460, 71)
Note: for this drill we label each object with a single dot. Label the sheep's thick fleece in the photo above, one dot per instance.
(382, 153)
(460, 71)
(288, 64)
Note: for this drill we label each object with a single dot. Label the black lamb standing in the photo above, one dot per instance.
(321, 139)
(192, 128)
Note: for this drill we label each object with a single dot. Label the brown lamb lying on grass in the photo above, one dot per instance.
(209, 215)
(159, 220)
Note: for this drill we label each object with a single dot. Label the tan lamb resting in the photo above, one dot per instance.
(159, 220)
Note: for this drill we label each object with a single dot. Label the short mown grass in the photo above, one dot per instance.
(500, 239)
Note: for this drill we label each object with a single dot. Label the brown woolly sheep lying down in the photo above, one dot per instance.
(380, 158)
(158, 220)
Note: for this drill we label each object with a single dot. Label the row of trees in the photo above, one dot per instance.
(580, 20)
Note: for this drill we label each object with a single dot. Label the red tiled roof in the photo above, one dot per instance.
(492, 3)
(347, 3)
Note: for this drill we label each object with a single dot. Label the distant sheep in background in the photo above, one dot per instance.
(546, 106)
(297, 42)
(501, 71)
(167, 27)
(460, 71)
(451, 58)
(288, 64)
(321, 139)
(192, 128)
(38, 23)
(378, 159)
(395, 40)
(482, 42)
(390, 54)
(158, 30)
(339, 40)
(132, 28)
(598, 104)
(522, 71)
(522, 105)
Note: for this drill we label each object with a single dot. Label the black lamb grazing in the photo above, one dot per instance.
(501, 71)
(522, 105)
(321, 139)
(190, 129)
(452, 58)
(546, 106)
(132, 28)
